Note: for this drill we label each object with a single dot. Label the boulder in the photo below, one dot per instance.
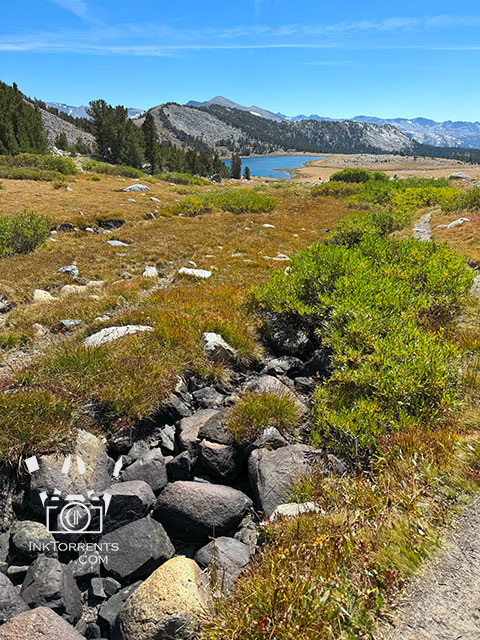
(96, 474)
(31, 539)
(270, 438)
(142, 546)
(5, 305)
(150, 468)
(293, 509)
(8, 491)
(11, 604)
(71, 270)
(317, 365)
(129, 501)
(226, 558)
(69, 324)
(49, 583)
(272, 474)
(38, 624)
(221, 461)
(288, 338)
(218, 349)
(66, 227)
(203, 274)
(190, 428)
(109, 611)
(286, 365)
(39, 295)
(169, 604)
(136, 187)
(109, 334)
(459, 176)
(150, 272)
(208, 397)
(215, 430)
(180, 467)
(111, 223)
(193, 511)
(117, 243)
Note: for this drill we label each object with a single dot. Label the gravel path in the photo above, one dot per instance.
(444, 604)
(423, 228)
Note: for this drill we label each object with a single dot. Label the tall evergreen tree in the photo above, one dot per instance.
(21, 125)
(236, 170)
(152, 153)
(246, 173)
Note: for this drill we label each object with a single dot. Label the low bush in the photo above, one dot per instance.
(335, 189)
(22, 233)
(380, 306)
(190, 206)
(94, 177)
(181, 178)
(255, 412)
(59, 164)
(112, 169)
(240, 201)
(29, 173)
(463, 201)
(358, 175)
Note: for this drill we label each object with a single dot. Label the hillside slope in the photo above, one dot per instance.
(54, 126)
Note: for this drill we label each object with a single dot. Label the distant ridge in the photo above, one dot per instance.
(225, 102)
(81, 111)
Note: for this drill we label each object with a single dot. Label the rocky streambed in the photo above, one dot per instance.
(124, 538)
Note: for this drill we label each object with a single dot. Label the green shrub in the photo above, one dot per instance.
(29, 173)
(358, 175)
(379, 306)
(190, 206)
(335, 189)
(240, 201)
(59, 164)
(181, 178)
(94, 177)
(463, 201)
(22, 233)
(112, 169)
(255, 412)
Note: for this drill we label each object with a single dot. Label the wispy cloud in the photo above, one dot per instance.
(78, 7)
(162, 40)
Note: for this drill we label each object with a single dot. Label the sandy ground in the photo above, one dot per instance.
(390, 164)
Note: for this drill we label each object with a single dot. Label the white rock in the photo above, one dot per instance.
(150, 272)
(131, 200)
(137, 187)
(292, 509)
(459, 176)
(281, 257)
(117, 243)
(196, 273)
(268, 226)
(109, 334)
(68, 189)
(71, 270)
(218, 349)
(457, 223)
(154, 199)
(39, 295)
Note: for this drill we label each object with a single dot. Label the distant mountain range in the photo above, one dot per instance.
(81, 111)
(423, 130)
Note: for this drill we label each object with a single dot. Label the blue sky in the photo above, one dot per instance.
(336, 59)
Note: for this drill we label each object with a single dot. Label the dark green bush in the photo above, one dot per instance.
(62, 165)
(29, 173)
(180, 178)
(379, 306)
(22, 233)
(336, 189)
(358, 175)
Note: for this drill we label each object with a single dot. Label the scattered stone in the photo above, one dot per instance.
(68, 189)
(216, 178)
(137, 187)
(271, 438)
(293, 509)
(150, 272)
(51, 584)
(318, 365)
(109, 334)
(17, 572)
(5, 305)
(142, 546)
(226, 558)
(190, 428)
(287, 338)
(169, 604)
(27, 534)
(218, 349)
(272, 474)
(247, 533)
(129, 501)
(281, 257)
(195, 273)
(193, 511)
(39, 295)
(49, 477)
(459, 176)
(286, 365)
(69, 324)
(38, 624)
(267, 384)
(305, 385)
(131, 200)
(11, 604)
(180, 467)
(126, 275)
(87, 564)
(221, 461)
(117, 243)
(268, 226)
(457, 223)
(111, 223)
(66, 227)
(150, 468)
(71, 270)
(167, 438)
(150, 216)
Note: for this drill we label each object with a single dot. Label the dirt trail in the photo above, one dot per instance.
(444, 604)
(423, 228)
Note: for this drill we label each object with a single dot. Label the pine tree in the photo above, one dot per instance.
(236, 170)
(21, 125)
(246, 173)
(149, 132)
(61, 141)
